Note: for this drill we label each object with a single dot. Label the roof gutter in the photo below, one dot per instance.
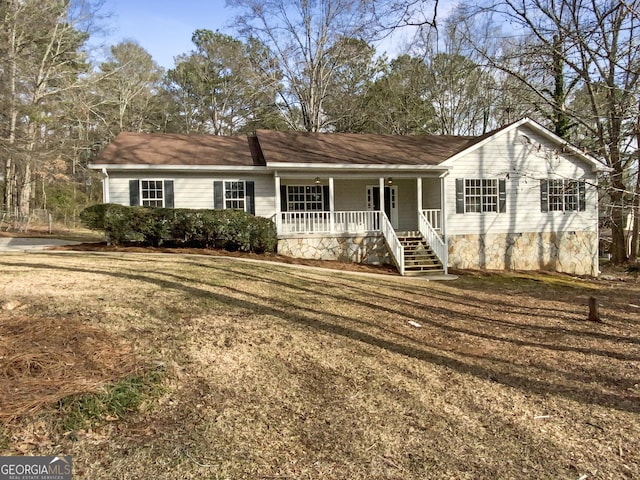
(292, 166)
(185, 168)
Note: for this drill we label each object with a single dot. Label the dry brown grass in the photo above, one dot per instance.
(43, 360)
(277, 372)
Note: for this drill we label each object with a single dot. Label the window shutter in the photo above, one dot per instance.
(283, 198)
(325, 198)
(250, 197)
(544, 195)
(582, 195)
(502, 196)
(168, 193)
(459, 195)
(134, 193)
(218, 195)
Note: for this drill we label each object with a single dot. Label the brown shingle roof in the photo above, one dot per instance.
(175, 149)
(360, 149)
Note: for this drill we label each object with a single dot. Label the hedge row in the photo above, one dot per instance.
(228, 229)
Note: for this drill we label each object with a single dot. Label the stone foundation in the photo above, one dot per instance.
(369, 249)
(568, 252)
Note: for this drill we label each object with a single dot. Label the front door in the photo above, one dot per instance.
(390, 201)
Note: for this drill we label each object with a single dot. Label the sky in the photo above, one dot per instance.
(164, 27)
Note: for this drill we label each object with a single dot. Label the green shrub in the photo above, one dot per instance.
(229, 229)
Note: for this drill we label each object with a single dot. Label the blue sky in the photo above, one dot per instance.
(164, 27)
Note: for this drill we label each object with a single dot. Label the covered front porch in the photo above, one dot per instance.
(358, 209)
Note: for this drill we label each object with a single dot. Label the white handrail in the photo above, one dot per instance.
(437, 244)
(434, 217)
(395, 247)
(328, 222)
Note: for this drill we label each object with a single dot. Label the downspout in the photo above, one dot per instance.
(105, 186)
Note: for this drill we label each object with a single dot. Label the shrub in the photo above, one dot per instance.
(229, 229)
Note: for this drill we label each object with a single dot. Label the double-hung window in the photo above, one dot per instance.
(305, 198)
(562, 195)
(151, 193)
(480, 195)
(234, 195)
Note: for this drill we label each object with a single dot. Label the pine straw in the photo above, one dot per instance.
(43, 360)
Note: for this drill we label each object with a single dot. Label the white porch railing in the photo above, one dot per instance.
(328, 222)
(395, 247)
(437, 243)
(434, 217)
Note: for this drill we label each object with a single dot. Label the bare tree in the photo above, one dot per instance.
(303, 37)
(572, 49)
(41, 57)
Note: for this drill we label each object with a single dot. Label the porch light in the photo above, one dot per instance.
(389, 181)
(317, 180)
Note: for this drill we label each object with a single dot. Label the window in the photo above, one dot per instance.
(151, 193)
(234, 195)
(305, 198)
(480, 195)
(562, 195)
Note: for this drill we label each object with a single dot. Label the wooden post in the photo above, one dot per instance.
(594, 315)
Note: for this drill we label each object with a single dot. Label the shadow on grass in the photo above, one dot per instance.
(294, 302)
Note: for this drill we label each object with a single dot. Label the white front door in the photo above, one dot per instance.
(390, 201)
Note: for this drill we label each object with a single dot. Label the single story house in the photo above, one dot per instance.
(519, 197)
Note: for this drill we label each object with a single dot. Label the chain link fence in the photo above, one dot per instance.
(10, 221)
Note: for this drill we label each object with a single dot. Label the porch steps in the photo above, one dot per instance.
(419, 259)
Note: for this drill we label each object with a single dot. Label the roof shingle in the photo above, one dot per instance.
(175, 149)
(359, 149)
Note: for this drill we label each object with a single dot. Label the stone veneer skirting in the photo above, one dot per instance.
(568, 252)
(370, 249)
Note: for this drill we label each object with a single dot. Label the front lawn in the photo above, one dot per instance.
(272, 371)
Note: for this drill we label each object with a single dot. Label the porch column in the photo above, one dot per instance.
(443, 208)
(381, 183)
(278, 203)
(332, 206)
(419, 190)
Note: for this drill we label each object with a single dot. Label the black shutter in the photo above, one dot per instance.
(168, 193)
(250, 197)
(325, 198)
(134, 193)
(544, 195)
(502, 196)
(459, 195)
(582, 195)
(218, 195)
(283, 198)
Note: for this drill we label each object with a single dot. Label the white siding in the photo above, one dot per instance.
(195, 190)
(522, 158)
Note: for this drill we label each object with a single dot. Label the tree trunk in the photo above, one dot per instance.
(10, 201)
(635, 232)
(594, 314)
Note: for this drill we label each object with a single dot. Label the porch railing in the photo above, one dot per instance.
(434, 217)
(435, 241)
(328, 222)
(393, 242)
